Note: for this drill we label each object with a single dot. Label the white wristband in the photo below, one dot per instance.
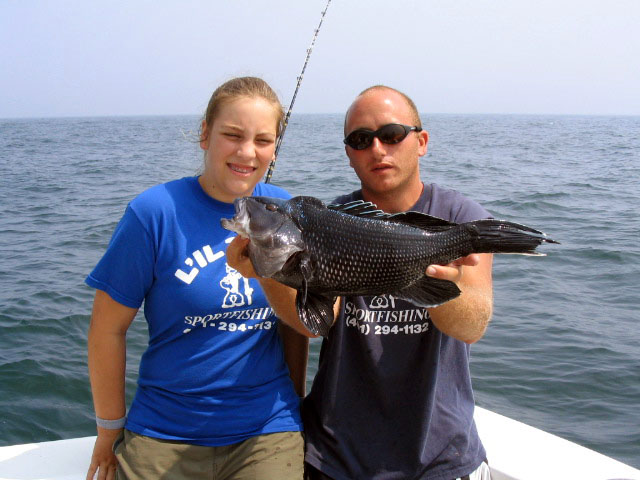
(111, 424)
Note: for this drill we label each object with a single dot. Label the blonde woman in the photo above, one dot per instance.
(215, 398)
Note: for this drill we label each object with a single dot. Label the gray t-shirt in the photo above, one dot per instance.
(392, 398)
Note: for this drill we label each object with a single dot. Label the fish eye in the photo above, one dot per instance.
(271, 207)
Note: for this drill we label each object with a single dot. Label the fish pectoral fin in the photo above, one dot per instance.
(429, 292)
(316, 313)
(306, 270)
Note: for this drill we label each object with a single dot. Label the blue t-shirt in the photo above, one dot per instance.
(392, 399)
(214, 370)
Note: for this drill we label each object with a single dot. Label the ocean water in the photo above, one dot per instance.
(562, 352)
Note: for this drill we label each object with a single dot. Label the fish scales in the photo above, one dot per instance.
(375, 254)
(400, 253)
(353, 249)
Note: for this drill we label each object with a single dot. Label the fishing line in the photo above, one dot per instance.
(272, 165)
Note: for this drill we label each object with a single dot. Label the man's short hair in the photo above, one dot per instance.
(412, 106)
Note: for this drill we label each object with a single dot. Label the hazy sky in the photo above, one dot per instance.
(129, 57)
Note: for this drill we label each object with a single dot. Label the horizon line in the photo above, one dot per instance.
(136, 115)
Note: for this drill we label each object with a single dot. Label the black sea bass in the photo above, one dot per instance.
(354, 249)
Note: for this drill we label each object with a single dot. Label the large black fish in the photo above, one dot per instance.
(354, 249)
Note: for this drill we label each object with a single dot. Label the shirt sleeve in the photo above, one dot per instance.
(126, 270)
(469, 210)
(268, 190)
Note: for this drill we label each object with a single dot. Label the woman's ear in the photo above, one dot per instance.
(204, 136)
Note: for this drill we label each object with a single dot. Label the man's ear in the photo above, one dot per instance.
(423, 140)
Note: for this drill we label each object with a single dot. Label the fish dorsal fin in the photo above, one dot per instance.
(360, 208)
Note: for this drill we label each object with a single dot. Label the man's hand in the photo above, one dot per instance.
(454, 270)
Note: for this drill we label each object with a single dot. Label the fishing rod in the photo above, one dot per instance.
(272, 165)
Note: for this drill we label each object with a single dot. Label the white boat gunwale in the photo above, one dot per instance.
(516, 451)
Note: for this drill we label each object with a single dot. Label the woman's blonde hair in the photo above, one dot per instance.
(242, 87)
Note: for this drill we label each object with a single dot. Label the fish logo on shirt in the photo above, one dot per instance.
(382, 301)
(232, 282)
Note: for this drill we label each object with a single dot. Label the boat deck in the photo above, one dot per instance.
(516, 452)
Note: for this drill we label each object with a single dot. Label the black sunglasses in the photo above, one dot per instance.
(391, 133)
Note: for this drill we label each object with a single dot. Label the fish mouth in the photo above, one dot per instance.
(240, 221)
(240, 206)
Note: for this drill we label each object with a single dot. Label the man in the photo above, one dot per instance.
(394, 401)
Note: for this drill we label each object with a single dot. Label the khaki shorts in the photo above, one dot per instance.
(265, 457)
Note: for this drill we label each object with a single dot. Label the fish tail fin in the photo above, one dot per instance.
(499, 236)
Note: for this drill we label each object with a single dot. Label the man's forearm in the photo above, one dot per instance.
(466, 318)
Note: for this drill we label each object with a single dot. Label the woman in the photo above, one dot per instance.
(214, 397)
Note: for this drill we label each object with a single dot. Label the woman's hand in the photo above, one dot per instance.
(238, 257)
(103, 460)
(280, 297)
(107, 364)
